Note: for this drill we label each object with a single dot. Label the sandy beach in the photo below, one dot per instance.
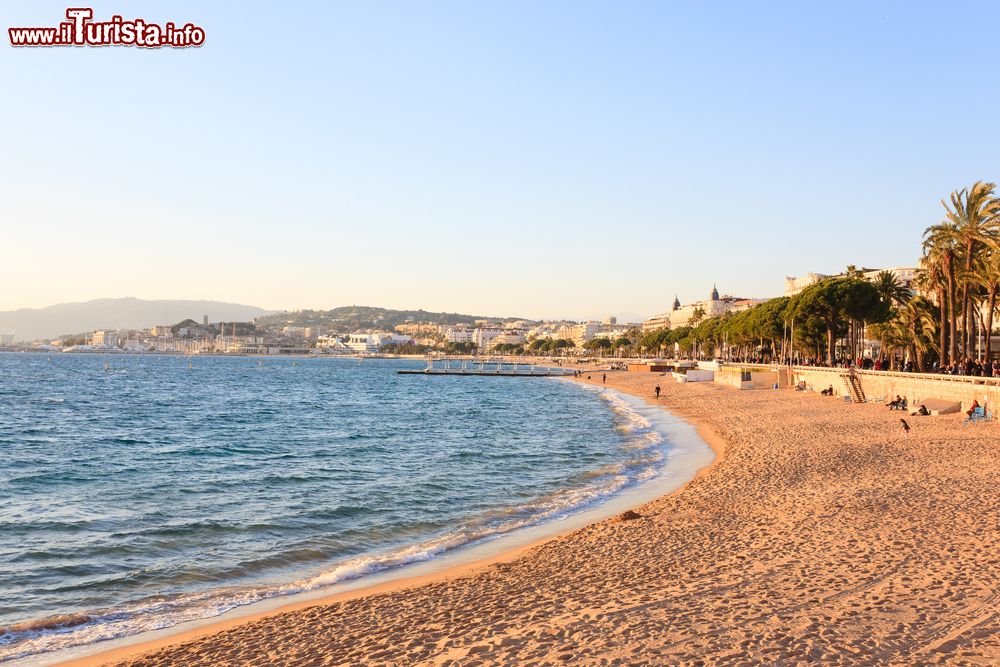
(819, 535)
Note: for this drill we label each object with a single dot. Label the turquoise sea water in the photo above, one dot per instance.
(146, 494)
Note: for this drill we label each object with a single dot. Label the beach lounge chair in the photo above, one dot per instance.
(978, 415)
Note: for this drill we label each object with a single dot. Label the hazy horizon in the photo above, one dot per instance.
(556, 160)
(633, 317)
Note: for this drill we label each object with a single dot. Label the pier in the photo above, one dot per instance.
(491, 368)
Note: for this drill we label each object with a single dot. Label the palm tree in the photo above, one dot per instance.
(985, 277)
(975, 214)
(892, 293)
(890, 290)
(919, 316)
(930, 280)
(940, 252)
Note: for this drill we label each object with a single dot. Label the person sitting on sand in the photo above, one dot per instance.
(922, 411)
(894, 404)
(828, 392)
(972, 408)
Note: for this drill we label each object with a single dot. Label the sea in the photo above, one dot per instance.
(141, 492)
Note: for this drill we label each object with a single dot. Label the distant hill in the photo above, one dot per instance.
(126, 313)
(367, 317)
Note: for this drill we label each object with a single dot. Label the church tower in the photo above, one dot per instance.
(677, 303)
(715, 294)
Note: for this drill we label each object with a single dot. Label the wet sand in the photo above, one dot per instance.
(821, 535)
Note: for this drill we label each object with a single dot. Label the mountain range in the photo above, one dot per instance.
(29, 324)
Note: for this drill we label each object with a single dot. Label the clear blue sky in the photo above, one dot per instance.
(526, 158)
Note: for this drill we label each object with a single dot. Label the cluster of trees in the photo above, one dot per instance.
(537, 346)
(961, 269)
(620, 347)
(405, 348)
(824, 321)
(543, 345)
(465, 347)
(947, 321)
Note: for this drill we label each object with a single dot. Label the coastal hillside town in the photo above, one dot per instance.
(365, 331)
(935, 317)
(722, 326)
(286, 334)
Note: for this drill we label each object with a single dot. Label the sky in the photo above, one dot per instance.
(533, 159)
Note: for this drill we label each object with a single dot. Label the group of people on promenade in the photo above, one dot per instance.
(970, 367)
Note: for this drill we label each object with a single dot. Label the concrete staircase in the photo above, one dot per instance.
(852, 383)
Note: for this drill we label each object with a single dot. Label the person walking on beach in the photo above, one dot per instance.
(604, 378)
(906, 428)
(657, 390)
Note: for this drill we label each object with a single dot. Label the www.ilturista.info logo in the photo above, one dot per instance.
(80, 30)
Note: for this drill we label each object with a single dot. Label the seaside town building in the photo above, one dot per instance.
(661, 321)
(312, 333)
(332, 344)
(294, 331)
(417, 329)
(689, 315)
(371, 342)
(508, 338)
(455, 334)
(483, 337)
(104, 338)
(161, 331)
(904, 274)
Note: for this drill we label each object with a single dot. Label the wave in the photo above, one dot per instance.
(645, 453)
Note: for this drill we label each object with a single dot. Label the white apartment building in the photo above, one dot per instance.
(162, 331)
(483, 337)
(578, 333)
(105, 338)
(369, 343)
(331, 343)
(454, 334)
(904, 274)
(508, 338)
(661, 321)
(713, 306)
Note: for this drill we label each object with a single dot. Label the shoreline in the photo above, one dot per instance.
(512, 546)
(820, 535)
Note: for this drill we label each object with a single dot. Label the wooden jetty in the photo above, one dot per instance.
(491, 368)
